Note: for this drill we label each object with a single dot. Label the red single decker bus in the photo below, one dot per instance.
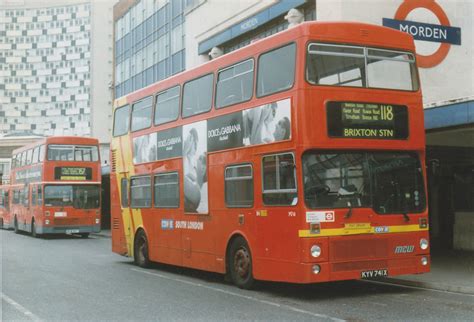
(298, 158)
(55, 186)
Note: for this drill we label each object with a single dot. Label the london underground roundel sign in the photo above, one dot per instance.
(443, 33)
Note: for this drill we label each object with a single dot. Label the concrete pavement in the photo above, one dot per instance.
(451, 271)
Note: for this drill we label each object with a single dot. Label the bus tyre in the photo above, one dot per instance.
(15, 226)
(84, 235)
(240, 264)
(1, 223)
(140, 253)
(33, 229)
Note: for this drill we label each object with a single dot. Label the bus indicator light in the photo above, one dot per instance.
(424, 261)
(315, 228)
(316, 269)
(423, 223)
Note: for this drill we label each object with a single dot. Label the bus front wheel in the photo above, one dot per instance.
(33, 229)
(240, 264)
(140, 253)
(15, 226)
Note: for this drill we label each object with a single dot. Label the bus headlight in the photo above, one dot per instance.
(424, 261)
(46, 222)
(315, 251)
(316, 269)
(423, 243)
(47, 213)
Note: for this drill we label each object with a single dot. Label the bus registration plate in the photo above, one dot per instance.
(72, 231)
(374, 273)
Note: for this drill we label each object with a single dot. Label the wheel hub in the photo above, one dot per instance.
(242, 262)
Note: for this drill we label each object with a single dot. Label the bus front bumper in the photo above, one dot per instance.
(306, 273)
(68, 229)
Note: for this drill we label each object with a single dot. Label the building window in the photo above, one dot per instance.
(239, 186)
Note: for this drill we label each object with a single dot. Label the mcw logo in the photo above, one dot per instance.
(404, 249)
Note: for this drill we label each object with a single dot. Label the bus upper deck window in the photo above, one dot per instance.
(36, 154)
(41, 153)
(355, 66)
(276, 70)
(141, 114)
(235, 84)
(167, 106)
(121, 120)
(197, 95)
(391, 69)
(335, 65)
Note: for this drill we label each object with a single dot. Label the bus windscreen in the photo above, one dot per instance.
(77, 196)
(388, 182)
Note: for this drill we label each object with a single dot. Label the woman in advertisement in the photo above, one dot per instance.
(192, 193)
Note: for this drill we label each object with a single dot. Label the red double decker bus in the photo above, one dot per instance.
(55, 187)
(298, 158)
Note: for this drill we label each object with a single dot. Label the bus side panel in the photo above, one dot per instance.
(119, 243)
(202, 230)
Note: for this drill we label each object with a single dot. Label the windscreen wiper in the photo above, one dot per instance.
(349, 212)
(405, 216)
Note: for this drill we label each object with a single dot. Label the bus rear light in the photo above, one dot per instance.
(47, 213)
(423, 223)
(316, 269)
(97, 221)
(424, 261)
(46, 222)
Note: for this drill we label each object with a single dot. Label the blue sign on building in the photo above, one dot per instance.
(426, 31)
(249, 24)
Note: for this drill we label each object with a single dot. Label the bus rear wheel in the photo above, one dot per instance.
(140, 253)
(240, 264)
(84, 235)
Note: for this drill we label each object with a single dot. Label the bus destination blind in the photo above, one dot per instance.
(367, 120)
(72, 173)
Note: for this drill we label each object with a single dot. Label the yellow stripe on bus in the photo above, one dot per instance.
(132, 218)
(358, 231)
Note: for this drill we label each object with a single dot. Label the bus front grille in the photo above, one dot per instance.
(357, 248)
(67, 221)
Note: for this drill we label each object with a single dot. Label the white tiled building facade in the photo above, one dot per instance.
(45, 75)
